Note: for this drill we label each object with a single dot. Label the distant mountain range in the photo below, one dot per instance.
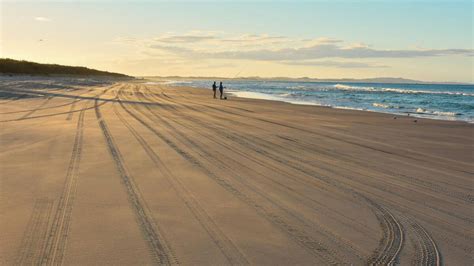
(11, 66)
(306, 79)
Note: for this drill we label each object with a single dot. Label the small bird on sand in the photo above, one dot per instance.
(394, 117)
(415, 120)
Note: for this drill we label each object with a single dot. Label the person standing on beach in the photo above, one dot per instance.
(214, 88)
(221, 89)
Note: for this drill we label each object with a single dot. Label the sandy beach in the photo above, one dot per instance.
(129, 173)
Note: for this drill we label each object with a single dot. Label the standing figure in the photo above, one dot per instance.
(221, 89)
(214, 88)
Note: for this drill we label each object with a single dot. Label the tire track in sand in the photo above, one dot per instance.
(56, 241)
(73, 105)
(227, 247)
(35, 233)
(160, 251)
(393, 237)
(357, 141)
(36, 109)
(392, 240)
(427, 252)
(436, 188)
(224, 160)
(310, 244)
(71, 113)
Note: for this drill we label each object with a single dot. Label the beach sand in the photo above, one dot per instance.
(130, 173)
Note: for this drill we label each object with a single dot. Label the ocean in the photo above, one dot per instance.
(435, 101)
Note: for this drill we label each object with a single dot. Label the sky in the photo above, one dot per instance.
(422, 40)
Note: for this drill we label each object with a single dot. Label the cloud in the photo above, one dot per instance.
(183, 38)
(42, 19)
(317, 51)
(200, 46)
(254, 38)
(337, 64)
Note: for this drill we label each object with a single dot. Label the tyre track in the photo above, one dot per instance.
(71, 110)
(233, 148)
(392, 240)
(55, 245)
(160, 251)
(436, 188)
(71, 113)
(103, 101)
(301, 237)
(50, 115)
(215, 109)
(448, 164)
(36, 109)
(223, 158)
(41, 108)
(227, 247)
(296, 164)
(427, 250)
(36, 231)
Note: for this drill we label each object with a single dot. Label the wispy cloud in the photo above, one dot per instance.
(254, 38)
(183, 39)
(323, 52)
(43, 19)
(317, 51)
(337, 64)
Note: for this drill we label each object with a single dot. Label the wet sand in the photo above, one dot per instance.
(130, 173)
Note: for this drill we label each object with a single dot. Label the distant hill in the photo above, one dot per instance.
(11, 66)
(306, 79)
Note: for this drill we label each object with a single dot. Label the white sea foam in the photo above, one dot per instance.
(446, 113)
(420, 110)
(264, 96)
(374, 89)
(386, 106)
(439, 113)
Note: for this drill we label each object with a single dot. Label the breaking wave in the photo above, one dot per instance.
(398, 90)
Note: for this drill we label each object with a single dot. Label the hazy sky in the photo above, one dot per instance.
(425, 40)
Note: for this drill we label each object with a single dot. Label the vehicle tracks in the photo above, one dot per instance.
(158, 247)
(427, 250)
(56, 241)
(229, 250)
(36, 109)
(301, 237)
(392, 240)
(29, 252)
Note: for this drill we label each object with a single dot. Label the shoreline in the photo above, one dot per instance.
(404, 114)
(267, 97)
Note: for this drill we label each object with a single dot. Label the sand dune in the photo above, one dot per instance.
(132, 173)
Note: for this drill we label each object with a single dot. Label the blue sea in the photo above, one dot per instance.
(436, 101)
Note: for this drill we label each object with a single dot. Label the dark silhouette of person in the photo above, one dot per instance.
(214, 88)
(221, 89)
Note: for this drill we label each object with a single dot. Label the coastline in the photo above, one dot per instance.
(268, 97)
(255, 96)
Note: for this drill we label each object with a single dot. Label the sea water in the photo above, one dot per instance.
(436, 101)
